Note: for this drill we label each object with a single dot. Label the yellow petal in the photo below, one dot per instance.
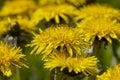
(6, 71)
(64, 18)
(47, 18)
(77, 49)
(108, 39)
(113, 35)
(69, 49)
(35, 48)
(57, 19)
(39, 50)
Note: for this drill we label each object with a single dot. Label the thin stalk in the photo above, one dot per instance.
(17, 74)
(54, 74)
(115, 46)
(96, 47)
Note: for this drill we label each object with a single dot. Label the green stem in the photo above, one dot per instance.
(17, 74)
(104, 54)
(115, 46)
(59, 75)
(96, 47)
(116, 56)
(103, 51)
(54, 74)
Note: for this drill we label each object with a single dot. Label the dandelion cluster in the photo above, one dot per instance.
(64, 50)
(63, 32)
(98, 20)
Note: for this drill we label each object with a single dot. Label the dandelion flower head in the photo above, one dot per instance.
(24, 23)
(111, 74)
(101, 28)
(9, 57)
(54, 12)
(17, 7)
(80, 63)
(98, 11)
(58, 38)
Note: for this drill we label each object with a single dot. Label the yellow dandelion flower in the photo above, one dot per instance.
(111, 74)
(9, 57)
(16, 7)
(23, 22)
(48, 2)
(81, 63)
(77, 2)
(59, 37)
(102, 28)
(53, 12)
(97, 11)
